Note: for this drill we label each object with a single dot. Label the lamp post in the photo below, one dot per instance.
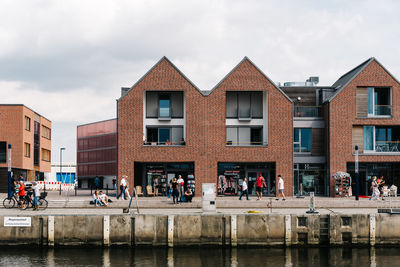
(10, 192)
(356, 171)
(61, 150)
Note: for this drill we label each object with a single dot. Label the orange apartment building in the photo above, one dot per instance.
(30, 137)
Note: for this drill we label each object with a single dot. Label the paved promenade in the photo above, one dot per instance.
(68, 203)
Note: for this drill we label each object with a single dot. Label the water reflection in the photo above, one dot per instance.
(193, 257)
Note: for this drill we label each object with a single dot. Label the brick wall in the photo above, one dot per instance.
(205, 125)
(342, 117)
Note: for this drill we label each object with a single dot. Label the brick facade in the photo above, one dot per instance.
(205, 124)
(342, 117)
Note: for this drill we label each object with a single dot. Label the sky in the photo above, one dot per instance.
(68, 60)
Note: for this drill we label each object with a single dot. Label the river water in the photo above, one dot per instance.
(193, 257)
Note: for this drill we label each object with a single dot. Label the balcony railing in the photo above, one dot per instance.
(179, 143)
(309, 111)
(387, 146)
(383, 110)
(231, 143)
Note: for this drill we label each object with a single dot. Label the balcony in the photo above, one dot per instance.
(387, 146)
(167, 143)
(231, 143)
(383, 110)
(307, 111)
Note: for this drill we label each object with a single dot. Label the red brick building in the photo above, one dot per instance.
(365, 111)
(167, 127)
(30, 137)
(246, 125)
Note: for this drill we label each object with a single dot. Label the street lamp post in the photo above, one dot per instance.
(356, 171)
(61, 150)
(10, 192)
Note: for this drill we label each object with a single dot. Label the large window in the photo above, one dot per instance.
(244, 105)
(379, 102)
(164, 105)
(302, 140)
(45, 155)
(3, 152)
(165, 136)
(46, 132)
(244, 136)
(381, 139)
(27, 150)
(27, 123)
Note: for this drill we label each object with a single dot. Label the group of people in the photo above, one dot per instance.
(260, 183)
(100, 198)
(32, 193)
(377, 188)
(178, 192)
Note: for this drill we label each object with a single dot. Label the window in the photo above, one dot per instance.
(45, 155)
(27, 150)
(164, 106)
(302, 140)
(3, 152)
(244, 105)
(46, 132)
(27, 123)
(379, 102)
(244, 136)
(165, 136)
(381, 139)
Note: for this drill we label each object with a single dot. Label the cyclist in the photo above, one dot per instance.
(21, 194)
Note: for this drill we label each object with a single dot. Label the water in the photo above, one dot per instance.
(193, 257)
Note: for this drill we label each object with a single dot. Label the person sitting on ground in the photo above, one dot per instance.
(96, 198)
(188, 195)
(103, 198)
(21, 194)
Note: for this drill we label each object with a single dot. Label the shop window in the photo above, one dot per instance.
(302, 140)
(27, 123)
(27, 150)
(45, 155)
(3, 152)
(245, 105)
(244, 136)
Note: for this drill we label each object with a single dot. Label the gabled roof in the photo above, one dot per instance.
(254, 65)
(343, 81)
(152, 68)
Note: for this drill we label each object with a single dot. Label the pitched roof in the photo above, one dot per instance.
(345, 79)
(152, 68)
(243, 60)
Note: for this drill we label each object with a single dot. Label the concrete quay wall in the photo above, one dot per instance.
(206, 229)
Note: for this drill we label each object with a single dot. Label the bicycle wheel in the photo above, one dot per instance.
(43, 204)
(9, 203)
(25, 204)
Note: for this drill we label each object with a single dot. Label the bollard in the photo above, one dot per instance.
(76, 188)
(60, 188)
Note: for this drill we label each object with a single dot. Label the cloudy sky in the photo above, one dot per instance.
(67, 60)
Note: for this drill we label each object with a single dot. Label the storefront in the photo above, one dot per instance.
(310, 178)
(389, 170)
(159, 175)
(230, 177)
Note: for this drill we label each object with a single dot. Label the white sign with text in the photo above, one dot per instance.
(17, 221)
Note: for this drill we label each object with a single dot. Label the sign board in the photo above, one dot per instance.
(17, 221)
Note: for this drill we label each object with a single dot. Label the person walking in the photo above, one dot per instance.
(244, 189)
(96, 183)
(280, 188)
(375, 190)
(181, 185)
(122, 187)
(114, 183)
(175, 192)
(36, 194)
(21, 194)
(381, 183)
(259, 186)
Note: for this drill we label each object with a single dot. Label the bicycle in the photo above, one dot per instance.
(9, 203)
(42, 202)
